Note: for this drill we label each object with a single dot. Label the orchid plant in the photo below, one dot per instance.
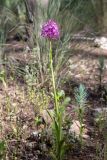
(50, 31)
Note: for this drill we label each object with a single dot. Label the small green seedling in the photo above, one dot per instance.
(38, 120)
(81, 98)
(2, 149)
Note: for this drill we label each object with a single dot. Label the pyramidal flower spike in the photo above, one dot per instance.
(50, 30)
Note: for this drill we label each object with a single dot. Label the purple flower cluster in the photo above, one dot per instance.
(50, 30)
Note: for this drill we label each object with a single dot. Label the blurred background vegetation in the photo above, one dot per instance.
(16, 15)
(21, 20)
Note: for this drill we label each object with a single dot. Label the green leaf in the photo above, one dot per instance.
(81, 95)
(50, 114)
(66, 101)
(2, 146)
(61, 94)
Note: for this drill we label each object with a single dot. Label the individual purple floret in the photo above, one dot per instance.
(50, 30)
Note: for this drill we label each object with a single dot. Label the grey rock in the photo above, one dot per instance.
(98, 111)
(75, 129)
(101, 42)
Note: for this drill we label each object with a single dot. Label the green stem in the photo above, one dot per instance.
(81, 114)
(53, 78)
(57, 118)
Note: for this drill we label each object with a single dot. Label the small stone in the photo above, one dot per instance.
(101, 42)
(85, 136)
(75, 129)
(25, 127)
(35, 133)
